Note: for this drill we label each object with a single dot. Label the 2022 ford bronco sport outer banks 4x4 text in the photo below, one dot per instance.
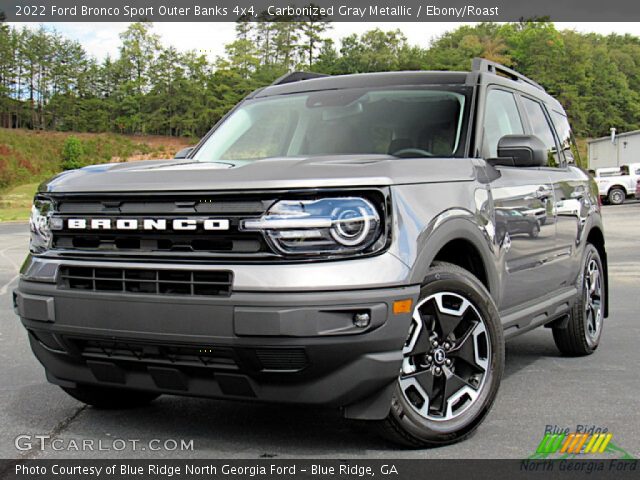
(362, 241)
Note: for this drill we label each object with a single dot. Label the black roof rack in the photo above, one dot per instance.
(297, 77)
(484, 65)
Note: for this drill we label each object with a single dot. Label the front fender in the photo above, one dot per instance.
(426, 222)
(459, 226)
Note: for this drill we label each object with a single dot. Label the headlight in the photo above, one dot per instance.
(41, 211)
(327, 225)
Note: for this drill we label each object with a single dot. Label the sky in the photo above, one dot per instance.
(209, 38)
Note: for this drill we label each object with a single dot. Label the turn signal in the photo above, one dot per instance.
(402, 306)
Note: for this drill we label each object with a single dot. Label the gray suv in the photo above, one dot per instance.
(366, 242)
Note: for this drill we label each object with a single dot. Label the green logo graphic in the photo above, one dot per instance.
(571, 445)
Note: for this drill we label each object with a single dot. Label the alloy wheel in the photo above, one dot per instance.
(593, 301)
(446, 357)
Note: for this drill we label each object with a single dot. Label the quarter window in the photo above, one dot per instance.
(501, 118)
(567, 143)
(540, 128)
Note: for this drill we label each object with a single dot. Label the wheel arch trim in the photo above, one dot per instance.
(595, 236)
(459, 229)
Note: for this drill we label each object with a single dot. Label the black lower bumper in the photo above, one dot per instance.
(281, 347)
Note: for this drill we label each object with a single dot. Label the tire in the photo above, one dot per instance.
(110, 398)
(583, 331)
(535, 231)
(616, 196)
(454, 410)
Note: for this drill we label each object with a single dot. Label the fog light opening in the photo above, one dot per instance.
(362, 319)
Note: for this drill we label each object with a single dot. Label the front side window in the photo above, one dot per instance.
(398, 122)
(501, 118)
(540, 128)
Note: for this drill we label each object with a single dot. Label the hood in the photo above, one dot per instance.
(266, 174)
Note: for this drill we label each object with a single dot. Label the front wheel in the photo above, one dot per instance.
(453, 362)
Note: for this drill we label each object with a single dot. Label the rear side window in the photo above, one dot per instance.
(501, 118)
(540, 128)
(567, 143)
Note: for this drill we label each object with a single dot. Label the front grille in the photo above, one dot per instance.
(143, 226)
(269, 359)
(144, 242)
(115, 350)
(170, 243)
(146, 281)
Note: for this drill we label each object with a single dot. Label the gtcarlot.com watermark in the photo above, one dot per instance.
(26, 442)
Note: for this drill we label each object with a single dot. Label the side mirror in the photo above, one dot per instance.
(184, 153)
(520, 151)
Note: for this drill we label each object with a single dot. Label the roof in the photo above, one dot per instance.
(618, 135)
(299, 82)
(358, 80)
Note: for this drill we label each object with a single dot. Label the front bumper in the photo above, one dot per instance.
(283, 347)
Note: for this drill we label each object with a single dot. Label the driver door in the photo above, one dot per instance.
(519, 195)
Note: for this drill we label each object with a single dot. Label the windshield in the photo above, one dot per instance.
(399, 122)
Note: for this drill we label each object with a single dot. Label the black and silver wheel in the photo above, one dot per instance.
(453, 361)
(616, 196)
(581, 334)
(110, 398)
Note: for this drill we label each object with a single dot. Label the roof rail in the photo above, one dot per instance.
(484, 65)
(297, 77)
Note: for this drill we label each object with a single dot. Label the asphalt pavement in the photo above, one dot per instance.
(539, 388)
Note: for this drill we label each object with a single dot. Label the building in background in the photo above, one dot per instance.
(615, 150)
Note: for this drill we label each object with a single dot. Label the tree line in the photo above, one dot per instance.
(49, 82)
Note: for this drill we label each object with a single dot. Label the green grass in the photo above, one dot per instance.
(15, 203)
(29, 157)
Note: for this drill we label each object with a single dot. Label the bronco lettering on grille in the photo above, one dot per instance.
(147, 224)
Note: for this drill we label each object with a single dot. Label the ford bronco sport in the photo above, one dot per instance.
(365, 242)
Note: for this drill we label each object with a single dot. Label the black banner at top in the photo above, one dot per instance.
(330, 10)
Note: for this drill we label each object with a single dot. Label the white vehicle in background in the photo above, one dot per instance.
(616, 184)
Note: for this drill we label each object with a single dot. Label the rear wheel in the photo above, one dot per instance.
(453, 362)
(110, 398)
(581, 335)
(616, 196)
